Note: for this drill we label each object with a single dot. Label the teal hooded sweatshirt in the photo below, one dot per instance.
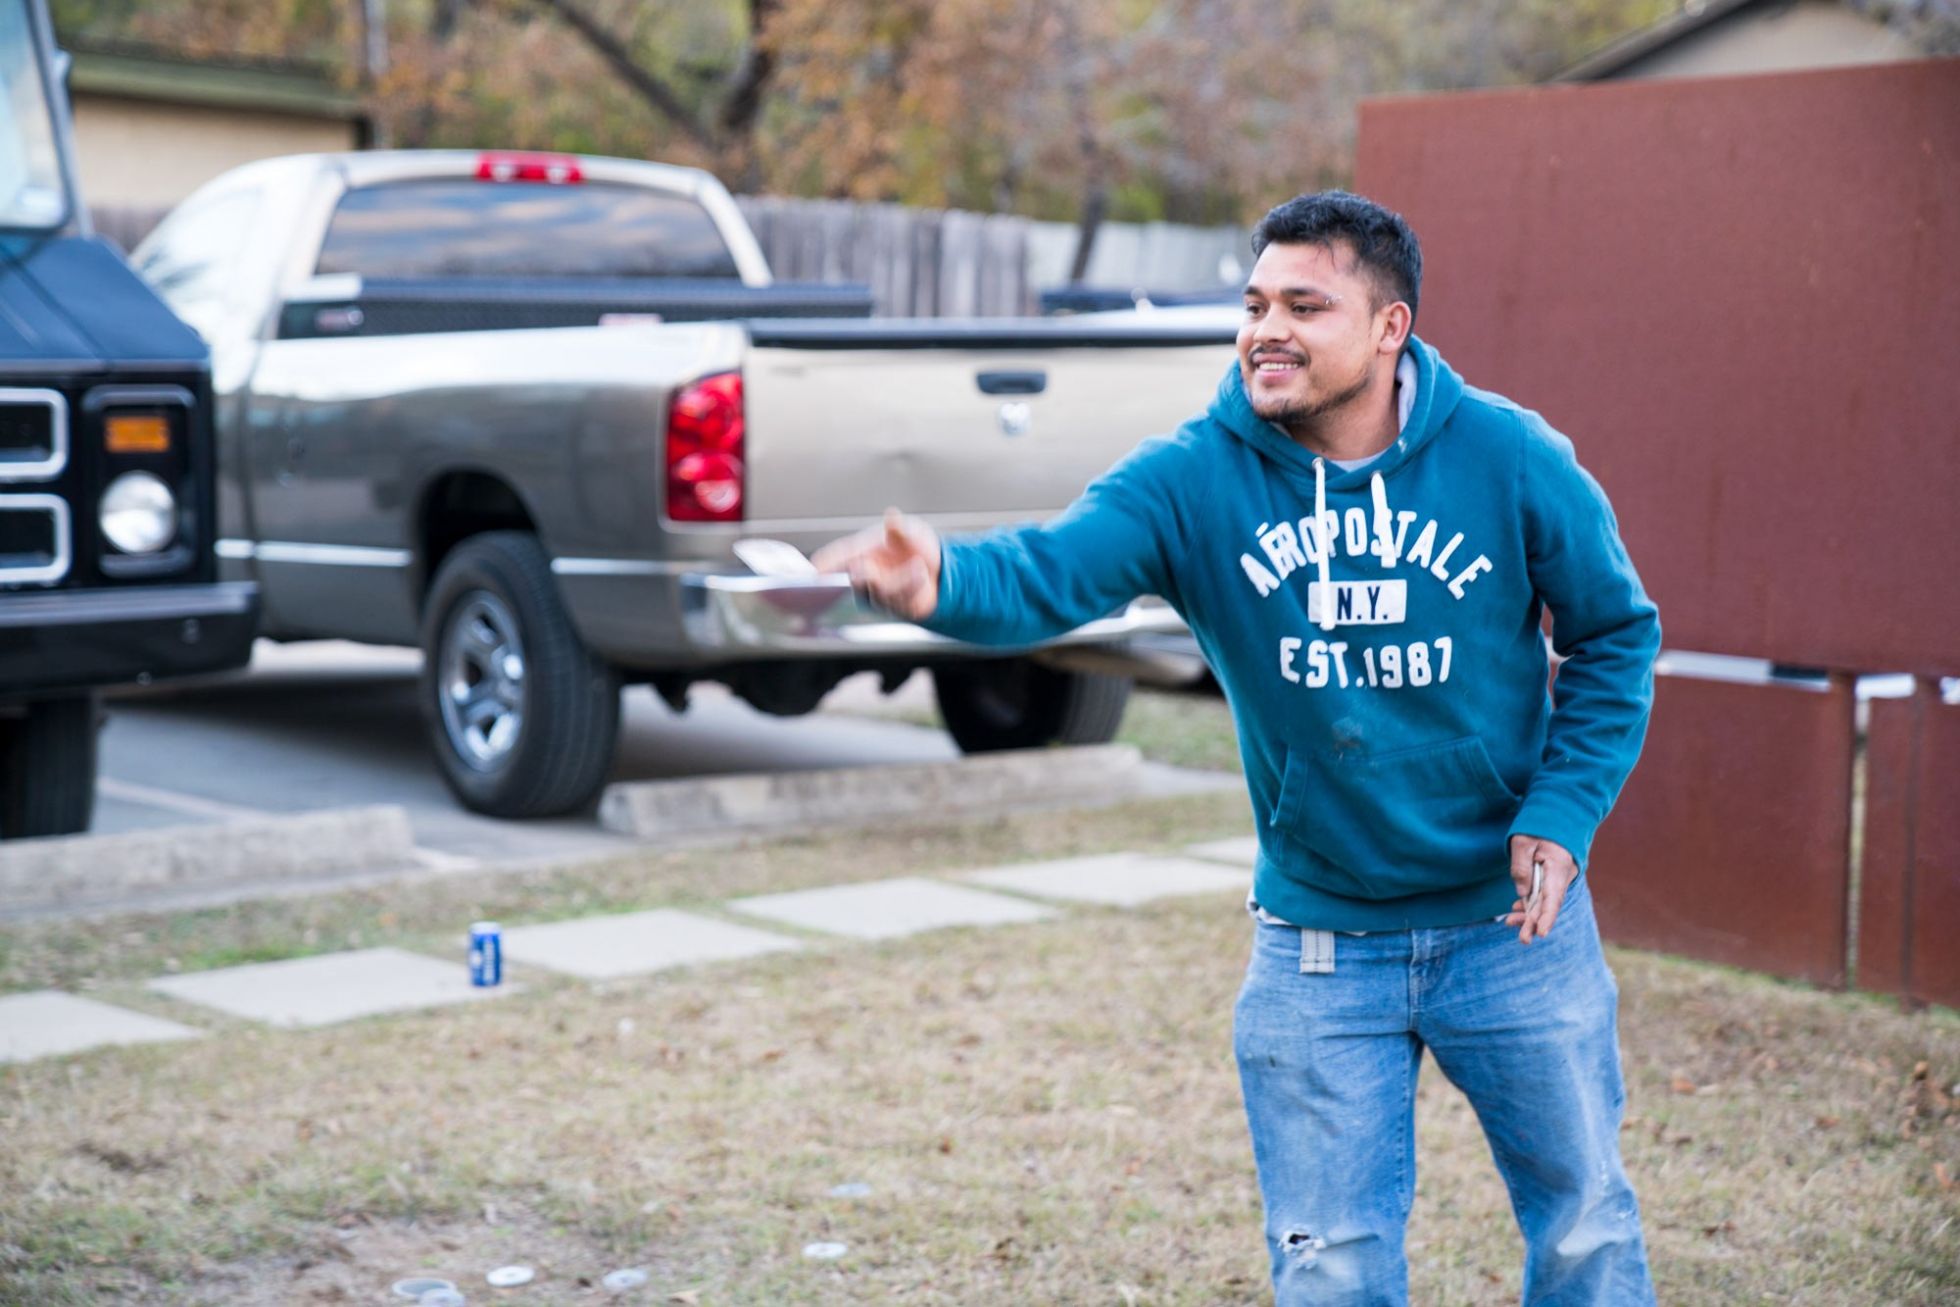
(1377, 633)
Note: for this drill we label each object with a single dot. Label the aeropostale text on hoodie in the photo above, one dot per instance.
(1378, 633)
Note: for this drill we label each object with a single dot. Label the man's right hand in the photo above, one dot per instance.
(895, 562)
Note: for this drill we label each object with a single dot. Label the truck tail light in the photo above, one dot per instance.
(704, 450)
(523, 166)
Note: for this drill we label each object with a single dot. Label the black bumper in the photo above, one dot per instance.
(77, 639)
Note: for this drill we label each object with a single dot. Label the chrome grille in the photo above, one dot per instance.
(33, 434)
(35, 537)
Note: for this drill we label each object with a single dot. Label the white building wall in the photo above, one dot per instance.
(138, 153)
(1776, 39)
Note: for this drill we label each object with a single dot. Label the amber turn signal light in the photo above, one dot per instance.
(138, 433)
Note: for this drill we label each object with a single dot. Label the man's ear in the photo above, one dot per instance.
(1393, 321)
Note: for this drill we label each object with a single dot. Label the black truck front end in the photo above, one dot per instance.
(107, 567)
(107, 573)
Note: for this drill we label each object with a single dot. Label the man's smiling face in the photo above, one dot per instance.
(1310, 338)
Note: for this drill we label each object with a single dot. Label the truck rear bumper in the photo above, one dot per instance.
(757, 616)
(78, 639)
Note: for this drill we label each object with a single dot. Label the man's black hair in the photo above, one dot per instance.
(1383, 244)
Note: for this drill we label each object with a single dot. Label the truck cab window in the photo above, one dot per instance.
(461, 227)
(190, 258)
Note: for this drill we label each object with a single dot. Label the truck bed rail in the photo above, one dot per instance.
(404, 307)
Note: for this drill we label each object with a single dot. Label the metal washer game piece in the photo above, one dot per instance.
(417, 1285)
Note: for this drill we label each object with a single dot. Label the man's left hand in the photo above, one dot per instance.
(1534, 915)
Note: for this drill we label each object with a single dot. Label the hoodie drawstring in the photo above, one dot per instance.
(1324, 539)
(1384, 535)
(1384, 521)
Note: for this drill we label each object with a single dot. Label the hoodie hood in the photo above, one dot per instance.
(1438, 388)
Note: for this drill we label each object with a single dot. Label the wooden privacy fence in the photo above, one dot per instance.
(1738, 296)
(925, 263)
(920, 263)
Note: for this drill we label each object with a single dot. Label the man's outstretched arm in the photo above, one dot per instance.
(1117, 541)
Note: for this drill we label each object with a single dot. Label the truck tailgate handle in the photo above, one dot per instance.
(1031, 382)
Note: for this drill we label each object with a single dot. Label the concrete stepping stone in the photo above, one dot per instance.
(634, 943)
(1241, 851)
(335, 987)
(1121, 880)
(886, 909)
(47, 1022)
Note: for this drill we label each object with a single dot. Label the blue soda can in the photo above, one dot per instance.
(486, 954)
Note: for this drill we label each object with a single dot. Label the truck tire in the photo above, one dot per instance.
(522, 715)
(47, 768)
(1017, 703)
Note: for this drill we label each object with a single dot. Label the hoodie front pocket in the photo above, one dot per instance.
(1426, 818)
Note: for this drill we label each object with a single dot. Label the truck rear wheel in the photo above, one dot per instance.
(522, 715)
(47, 768)
(1017, 703)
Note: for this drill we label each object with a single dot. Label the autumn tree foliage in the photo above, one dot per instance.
(1187, 110)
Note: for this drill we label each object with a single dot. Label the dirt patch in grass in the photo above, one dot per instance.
(1046, 1113)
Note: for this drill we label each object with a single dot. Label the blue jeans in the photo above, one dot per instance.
(1328, 1065)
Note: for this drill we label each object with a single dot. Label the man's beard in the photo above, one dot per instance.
(1292, 413)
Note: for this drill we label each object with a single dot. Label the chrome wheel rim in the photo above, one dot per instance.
(481, 685)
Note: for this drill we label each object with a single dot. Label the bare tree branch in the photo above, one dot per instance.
(743, 103)
(649, 87)
(1077, 80)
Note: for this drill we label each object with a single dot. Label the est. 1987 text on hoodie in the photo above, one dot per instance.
(1377, 633)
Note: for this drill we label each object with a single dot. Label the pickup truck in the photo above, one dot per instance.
(107, 568)
(517, 409)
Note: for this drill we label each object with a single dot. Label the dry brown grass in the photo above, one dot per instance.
(1045, 1114)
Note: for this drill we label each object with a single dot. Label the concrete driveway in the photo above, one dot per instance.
(335, 725)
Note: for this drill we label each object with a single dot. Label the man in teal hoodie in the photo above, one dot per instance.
(1365, 547)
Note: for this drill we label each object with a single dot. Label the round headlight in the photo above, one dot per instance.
(139, 514)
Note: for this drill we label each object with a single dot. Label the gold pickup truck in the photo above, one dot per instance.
(517, 409)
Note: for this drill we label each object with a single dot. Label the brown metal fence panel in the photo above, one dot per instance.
(1729, 841)
(1740, 297)
(1909, 899)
